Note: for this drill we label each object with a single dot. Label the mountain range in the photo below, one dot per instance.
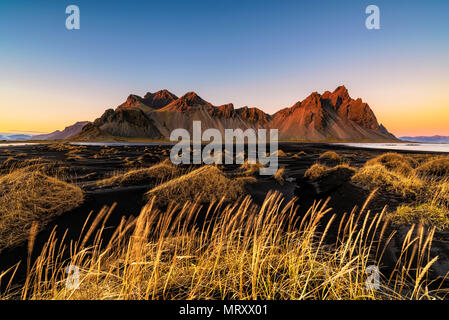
(319, 117)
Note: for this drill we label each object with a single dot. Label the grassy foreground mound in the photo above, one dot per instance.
(331, 155)
(318, 170)
(28, 197)
(420, 181)
(205, 184)
(152, 175)
(435, 167)
(428, 214)
(394, 162)
(404, 175)
(378, 176)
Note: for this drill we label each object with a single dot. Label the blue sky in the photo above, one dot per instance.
(268, 54)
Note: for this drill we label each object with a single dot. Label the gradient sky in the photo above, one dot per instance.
(268, 54)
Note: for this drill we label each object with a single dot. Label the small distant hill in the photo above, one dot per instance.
(12, 137)
(64, 134)
(428, 139)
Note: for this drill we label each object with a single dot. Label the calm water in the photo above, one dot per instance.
(17, 144)
(121, 143)
(430, 147)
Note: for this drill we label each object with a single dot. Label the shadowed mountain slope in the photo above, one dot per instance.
(64, 134)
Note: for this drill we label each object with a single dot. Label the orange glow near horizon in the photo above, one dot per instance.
(419, 123)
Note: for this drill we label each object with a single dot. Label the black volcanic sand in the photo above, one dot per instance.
(85, 165)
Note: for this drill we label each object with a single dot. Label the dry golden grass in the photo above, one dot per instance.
(394, 162)
(205, 184)
(30, 196)
(280, 153)
(440, 191)
(75, 157)
(427, 214)
(378, 176)
(9, 162)
(152, 176)
(65, 147)
(251, 168)
(74, 152)
(434, 167)
(405, 175)
(279, 175)
(318, 170)
(299, 154)
(414, 179)
(12, 163)
(331, 155)
(315, 171)
(241, 251)
(50, 168)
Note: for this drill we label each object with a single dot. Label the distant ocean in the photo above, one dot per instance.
(430, 147)
(16, 144)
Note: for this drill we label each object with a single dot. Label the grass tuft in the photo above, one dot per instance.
(279, 175)
(394, 162)
(27, 197)
(205, 184)
(251, 169)
(435, 167)
(318, 170)
(331, 155)
(427, 214)
(153, 175)
(378, 176)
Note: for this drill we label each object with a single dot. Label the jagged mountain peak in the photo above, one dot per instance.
(187, 102)
(155, 100)
(254, 115)
(192, 98)
(159, 99)
(341, 91)
(161, 94)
